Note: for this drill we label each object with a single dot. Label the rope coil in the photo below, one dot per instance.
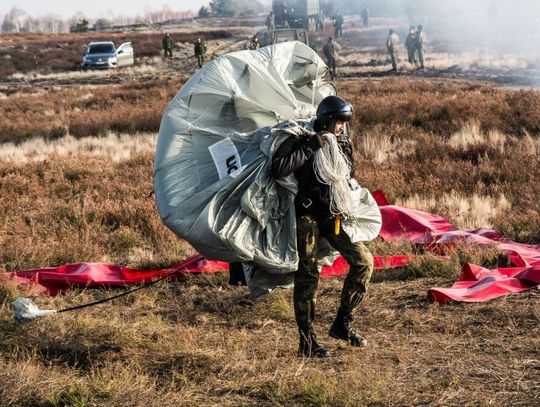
(332, 168)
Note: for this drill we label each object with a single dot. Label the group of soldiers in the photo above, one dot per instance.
(199, 48)
(414, 43)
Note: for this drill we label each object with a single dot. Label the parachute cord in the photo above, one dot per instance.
(332, 168)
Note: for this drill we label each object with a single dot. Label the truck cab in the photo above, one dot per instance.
(307, 14)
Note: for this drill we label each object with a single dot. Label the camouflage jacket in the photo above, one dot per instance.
(200, 48)
(421, 39)
(167, 42)
(392, 42)
(331, 49)
(410, 42)
(296, 155)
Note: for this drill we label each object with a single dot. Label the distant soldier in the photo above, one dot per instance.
(392, 44)
(200, 51)
(410, 44)
(365, 15)
(319, 24)
(253, 44)
(331, 51)
(271, 21)
(338, 25)
(167, 43)
(421, 45)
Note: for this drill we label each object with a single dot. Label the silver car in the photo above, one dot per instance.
(105, 55)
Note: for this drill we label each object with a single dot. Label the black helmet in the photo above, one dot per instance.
(334, 108)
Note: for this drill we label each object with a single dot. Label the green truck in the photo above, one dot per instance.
(306, 14)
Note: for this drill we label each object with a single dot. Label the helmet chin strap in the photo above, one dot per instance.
(332, 126)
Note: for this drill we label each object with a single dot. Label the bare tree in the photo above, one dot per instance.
(17, 17)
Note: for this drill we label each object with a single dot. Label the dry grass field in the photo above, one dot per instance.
(75, 185)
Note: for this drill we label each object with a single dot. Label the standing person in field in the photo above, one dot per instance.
(167, 43)
(410, 44)
(338, 25)
(392, 45)
(271, 21)
(200, 51)
(365, 15)
(421, 45)
(331, 52)
(323, 165)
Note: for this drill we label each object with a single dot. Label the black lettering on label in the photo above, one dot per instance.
(231, 164)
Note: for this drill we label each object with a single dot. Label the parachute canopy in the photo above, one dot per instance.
(211, 177)
(214, 129)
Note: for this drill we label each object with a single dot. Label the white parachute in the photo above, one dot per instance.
(211, 174)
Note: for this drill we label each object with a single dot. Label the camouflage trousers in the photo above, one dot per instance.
(200, 60)
(421, 56)
(332, 66)
(412, 56)
(306, 278)
(394, 57)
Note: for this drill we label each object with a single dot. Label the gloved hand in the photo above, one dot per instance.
(322, 136)
(346, 145)
(317, 141)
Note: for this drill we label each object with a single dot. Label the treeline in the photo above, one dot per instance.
(17, 20)
(230, 8)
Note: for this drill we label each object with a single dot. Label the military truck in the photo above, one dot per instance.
(269, 37)
(307, 14)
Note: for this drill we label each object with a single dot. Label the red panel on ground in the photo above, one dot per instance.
(56, 279)
(432, 231)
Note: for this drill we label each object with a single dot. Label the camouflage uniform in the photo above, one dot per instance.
(271, 21)
(420, 46)
(306, 278)
(392, 44)
(314, 220)
(253, 44)
(200, 51)
(410, 44)
(365, 15)
(167, 43)
(338, 25)
(330, 51)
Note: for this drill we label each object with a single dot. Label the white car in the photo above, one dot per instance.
(105, 55)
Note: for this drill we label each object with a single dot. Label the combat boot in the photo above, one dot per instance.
(341, 329)
(309, 347)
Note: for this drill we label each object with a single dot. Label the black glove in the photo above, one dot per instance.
(321, 140)
(346, 145)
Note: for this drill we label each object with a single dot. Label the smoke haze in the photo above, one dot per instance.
(485, 25)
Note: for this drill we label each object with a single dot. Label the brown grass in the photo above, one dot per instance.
(193, 343)
(83, 112)
(69, 210)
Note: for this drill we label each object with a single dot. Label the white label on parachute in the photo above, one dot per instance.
(226, 158)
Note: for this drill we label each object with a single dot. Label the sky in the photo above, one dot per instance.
(96, 8)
